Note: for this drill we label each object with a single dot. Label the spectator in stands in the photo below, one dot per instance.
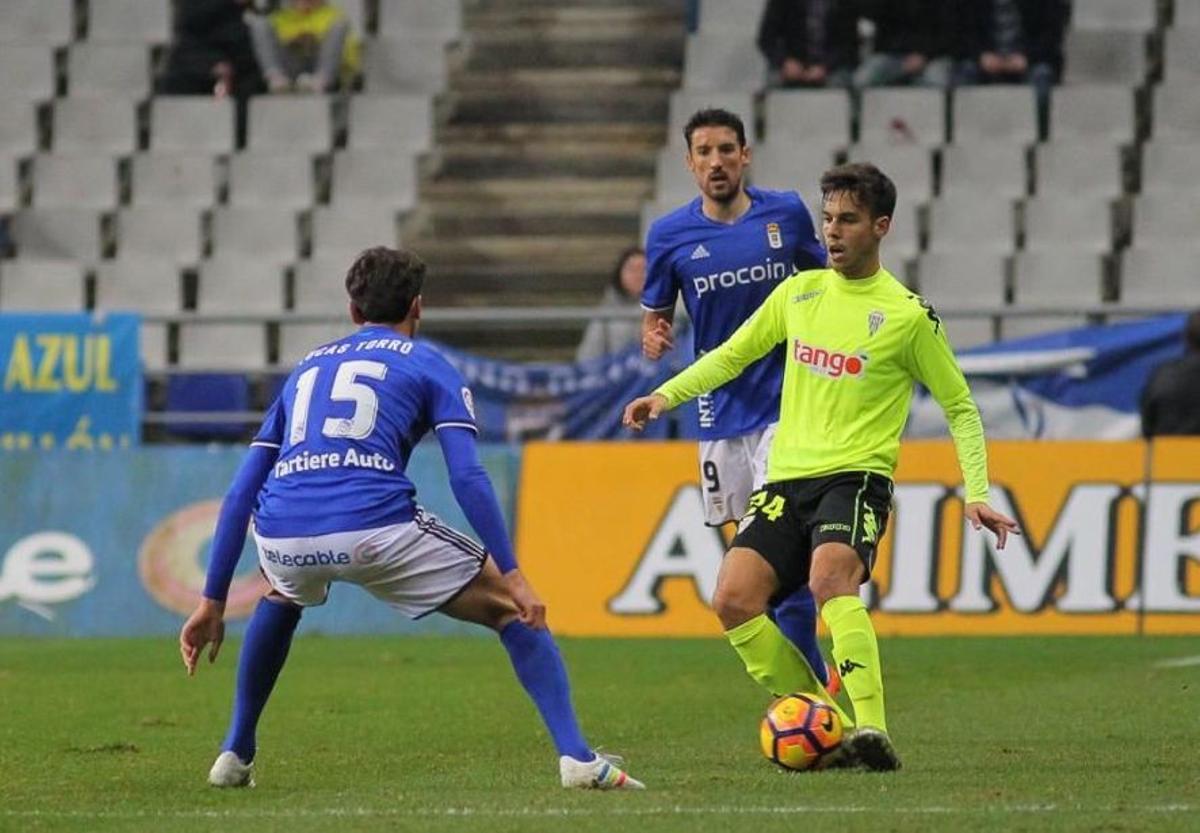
(809, 43)
(211, 53)
(1014, 42)
(1171, 400)
(608, 335)
(913, 43)
(306, 45)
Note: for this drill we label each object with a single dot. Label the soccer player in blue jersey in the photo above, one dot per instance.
(325, 482)
(724, 252)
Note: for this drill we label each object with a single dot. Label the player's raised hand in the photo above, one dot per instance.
(642, 410)
(206, 626)
(530, 609)
(657, 340)
(982, 515)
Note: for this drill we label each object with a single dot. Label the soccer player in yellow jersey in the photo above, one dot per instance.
(856, 341)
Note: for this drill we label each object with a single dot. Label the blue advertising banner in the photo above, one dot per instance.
(71, 381)
(117, 544)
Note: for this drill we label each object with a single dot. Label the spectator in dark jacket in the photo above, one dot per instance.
(1171, 400)
(211, 53)
(809, 43)
(911, 44)
(1016, 41)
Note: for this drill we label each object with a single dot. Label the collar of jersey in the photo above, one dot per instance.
(857, 284)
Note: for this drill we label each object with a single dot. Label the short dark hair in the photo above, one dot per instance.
(383, 283)
(714, 117)
(1191, 331)
(869, 186)
(616, 272)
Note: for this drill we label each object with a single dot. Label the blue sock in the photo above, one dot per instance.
(268, 638)
(540, 669)
(796, 616)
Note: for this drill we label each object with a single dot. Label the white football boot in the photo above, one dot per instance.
(601, 773)
(229, 771)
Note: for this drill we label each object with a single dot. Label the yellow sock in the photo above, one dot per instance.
(775, 663)
(857, 654)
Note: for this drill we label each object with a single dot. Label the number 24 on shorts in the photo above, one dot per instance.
(769, 509)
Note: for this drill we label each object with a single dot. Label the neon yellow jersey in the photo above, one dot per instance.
(854, 349)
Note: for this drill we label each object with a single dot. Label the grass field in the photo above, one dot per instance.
(434, 734)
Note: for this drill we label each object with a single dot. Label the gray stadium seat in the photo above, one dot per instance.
(441, 18)
(351, 229)
(719, 60)
(216, 346)
(160, 232)
(290, 124)
(984, 169)
(995, 114)
(821, 116)
(1170, 166)
(686, 102)
(18, 128)
(1081, 168)
(903, 242)
(191, 123)
(108, 69)
(60, 232)
(380, 178)
(790, 166)
(1126, 15)
(237, 285)
(963, 279)
(1179, 60)
(1177, 111)
(137, 21)
(173, 179)
(146, 285)
(742, 15)
(296, 339)
(1105, 58)
(909, 166)
(27, 72)
(1092, 112)
(1160, 277)
(74, 181)
(1167, 219)
(319, 284)
(95, 125)
(265, 234)
(972, 222)
(903, 117)
(266, 179)
(152, 343)
(1062, 276)
(400, 122)
(49, 22)
(10, 191)
(674, 182)
(413, 63)
(39, 285)
(1187, 13)
(1059, 220)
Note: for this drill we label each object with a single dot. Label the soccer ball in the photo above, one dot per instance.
(800, 731)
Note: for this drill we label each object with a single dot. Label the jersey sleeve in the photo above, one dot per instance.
(933, 364)
(749, 342)
(270, 433)
(660, 291)
(810, 253)
(448, 398)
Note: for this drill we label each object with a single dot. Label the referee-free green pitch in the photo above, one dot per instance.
(434, 733)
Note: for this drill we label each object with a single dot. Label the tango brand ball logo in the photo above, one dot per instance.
(829, 363)
(169, 563)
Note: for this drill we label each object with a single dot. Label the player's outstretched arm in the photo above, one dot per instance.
(981, 515)
(643, 410)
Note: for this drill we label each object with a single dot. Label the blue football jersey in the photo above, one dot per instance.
(345, 424)
(725, 271)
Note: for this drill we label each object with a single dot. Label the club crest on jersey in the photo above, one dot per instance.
(874, 322)
(774, 237)
(829, 363)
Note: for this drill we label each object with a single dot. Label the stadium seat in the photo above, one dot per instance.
(1081, 168)
(191, 123)
(741, 15)
(789, 166)
(319, 284)
(1187, 13)
(290, 124)
(1167, 219)
(41, 285)
(212, 345)
(1170, 166)
(413, 63)
(74, 181)
(227, 284)
(686, 102)
(972, 222)
(821, 116)
(962, 278)
(1057, 220)
(271, 180)
(381, 178)
(440, 18)
(1125, 15)
(903, 242)
(903, 117)
(1160, 276)
(1177, 111)
(297, 339)
(59, 232)
(173, 179)
(18, 128)
(983, 168)
(171, 232)
(909, 166)
(398, 122)
(152, 346)
(94, 126)
(674, 182)
(258, 233)
(1105, 58)
(10, 191)
(995, 114)
(130, 21)
(347, 230)
(1179, 59)
(108, 69)
(1060, 276)
(48, 22)
(720, 60)
(1093, 112)
(27, 72)
(207, 393)
(143, 284)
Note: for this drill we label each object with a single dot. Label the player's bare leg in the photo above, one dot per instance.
(487, 601)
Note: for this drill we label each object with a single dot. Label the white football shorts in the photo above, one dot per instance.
(730, 470)
(415, 567)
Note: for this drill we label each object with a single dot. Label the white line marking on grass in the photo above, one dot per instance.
(1178, 662)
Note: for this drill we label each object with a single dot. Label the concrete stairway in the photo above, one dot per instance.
(546, 151)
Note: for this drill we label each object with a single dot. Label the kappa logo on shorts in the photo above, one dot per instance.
(870, 525)
(834, 528)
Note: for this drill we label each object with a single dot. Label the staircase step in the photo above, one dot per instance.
(633, 189)
(476, 161)
(528, 104)
(578, 15)
(579, 80)
(649, 136)
(570, 47)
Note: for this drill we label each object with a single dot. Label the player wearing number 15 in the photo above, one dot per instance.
(856, 341)
(326, 480)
